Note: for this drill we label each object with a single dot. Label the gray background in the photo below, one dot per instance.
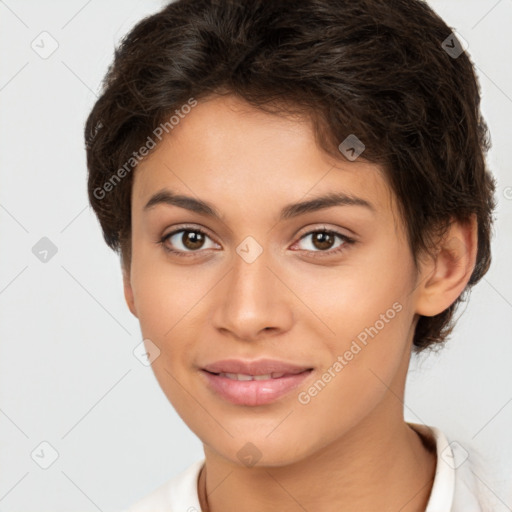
(68, 376)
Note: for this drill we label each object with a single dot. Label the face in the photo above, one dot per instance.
(329, 290)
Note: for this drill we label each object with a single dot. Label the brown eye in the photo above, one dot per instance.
(186, 240)
(324, 241)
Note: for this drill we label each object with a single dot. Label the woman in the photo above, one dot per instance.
(299, 195)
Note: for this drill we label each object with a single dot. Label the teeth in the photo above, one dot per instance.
(242, 376)
(238, 376)
(262, 377)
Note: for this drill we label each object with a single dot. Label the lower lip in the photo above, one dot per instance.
(254, 392)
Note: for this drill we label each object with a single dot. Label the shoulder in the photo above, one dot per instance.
(477, 484)
(464, 480)
(179, 494)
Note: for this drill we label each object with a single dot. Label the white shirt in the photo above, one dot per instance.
(455, 487)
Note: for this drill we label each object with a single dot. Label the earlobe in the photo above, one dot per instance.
(445, 278)
(128, 292)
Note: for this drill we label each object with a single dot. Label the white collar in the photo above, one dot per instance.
(441, 495)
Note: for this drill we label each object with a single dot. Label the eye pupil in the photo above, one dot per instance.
(324, 239)
(192, 239)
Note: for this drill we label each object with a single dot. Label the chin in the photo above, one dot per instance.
(257, 450)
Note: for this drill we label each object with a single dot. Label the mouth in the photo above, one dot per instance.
(254, 389)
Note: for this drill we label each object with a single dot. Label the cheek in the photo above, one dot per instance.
(362, 319)
(164, 293)
(340, 303)
(366, 356)
(165, 300)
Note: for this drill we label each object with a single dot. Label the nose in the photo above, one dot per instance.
(254, 301)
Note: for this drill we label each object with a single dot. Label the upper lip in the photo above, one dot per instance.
(257, 367)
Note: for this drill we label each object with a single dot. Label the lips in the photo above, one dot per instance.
(254, 382)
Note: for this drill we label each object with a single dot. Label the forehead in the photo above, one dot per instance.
(227, 150)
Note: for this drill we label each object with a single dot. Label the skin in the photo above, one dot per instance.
(349, 448)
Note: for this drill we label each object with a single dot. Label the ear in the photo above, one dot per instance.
(444, 276)
(128, 291)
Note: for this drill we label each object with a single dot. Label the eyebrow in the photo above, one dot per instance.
(329, 200)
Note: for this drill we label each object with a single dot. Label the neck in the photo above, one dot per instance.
(388, 468)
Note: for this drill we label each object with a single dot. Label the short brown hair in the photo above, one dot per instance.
(378, 69)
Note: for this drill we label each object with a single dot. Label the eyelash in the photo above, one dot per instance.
(347, 241)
